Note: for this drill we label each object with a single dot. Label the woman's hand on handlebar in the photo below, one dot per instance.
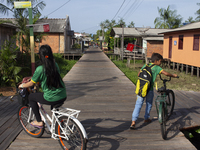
(21, 86)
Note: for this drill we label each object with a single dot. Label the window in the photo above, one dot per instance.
(196, 42)
(180, 42)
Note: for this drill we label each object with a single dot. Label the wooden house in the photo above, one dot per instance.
(181, 46)
(147, 39)
(59, 37)
(7, 30)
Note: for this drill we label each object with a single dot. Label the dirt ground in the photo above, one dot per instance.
(7, 91)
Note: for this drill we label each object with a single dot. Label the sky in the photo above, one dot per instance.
(86, 15)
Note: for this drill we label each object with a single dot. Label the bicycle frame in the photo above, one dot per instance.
(56, 113)
(160, 100)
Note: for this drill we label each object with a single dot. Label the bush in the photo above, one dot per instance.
(9, 71)
(76, 46)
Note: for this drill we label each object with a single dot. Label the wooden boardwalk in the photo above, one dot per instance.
(106, 99)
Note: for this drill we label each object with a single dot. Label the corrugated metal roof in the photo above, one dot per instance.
(55, 25)
(154, 38)
(151, 33)
(12, 25)
(191, 26)
(127, 32)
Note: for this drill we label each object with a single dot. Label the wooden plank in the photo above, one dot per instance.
(106, 100)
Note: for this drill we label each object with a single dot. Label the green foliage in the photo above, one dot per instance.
(168, 19)
(76, 46)
(130, 73)
(9, 71)
(64, 65)
(107, 26)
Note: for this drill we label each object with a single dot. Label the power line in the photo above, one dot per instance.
(58, 8)
(136, 7)
(118, 10)
(125, 6)
(131, 7)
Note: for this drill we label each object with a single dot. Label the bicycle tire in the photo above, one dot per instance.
(170, 103)
(76, 140)
(163, 124)
(23, 114)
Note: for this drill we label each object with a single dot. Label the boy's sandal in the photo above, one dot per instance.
(132, 127)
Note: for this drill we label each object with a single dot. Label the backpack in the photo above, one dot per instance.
(144, 81)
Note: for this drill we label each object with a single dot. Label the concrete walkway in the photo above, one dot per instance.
(106, 99)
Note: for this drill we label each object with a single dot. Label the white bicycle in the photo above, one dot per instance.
(64, 125)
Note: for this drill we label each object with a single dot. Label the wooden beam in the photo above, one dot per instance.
(186, 69)
(192, 71)
(181, 67)
(168, 63)
(177, 67)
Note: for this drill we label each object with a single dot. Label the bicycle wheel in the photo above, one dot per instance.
(76, 140)
(170, 103)
(23, 114)
(163, 124)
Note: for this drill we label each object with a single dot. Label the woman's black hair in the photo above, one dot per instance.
(53, 77)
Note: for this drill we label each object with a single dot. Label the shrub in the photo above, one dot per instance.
(9, 71)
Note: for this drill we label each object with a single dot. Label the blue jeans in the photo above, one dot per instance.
(139, 103)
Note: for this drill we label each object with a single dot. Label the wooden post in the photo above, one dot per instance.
(181, 67)
(186, 69)
(173, 65)
(168, 63)
(192, 71)
(177, 67)
(197, 72)
(128, 61)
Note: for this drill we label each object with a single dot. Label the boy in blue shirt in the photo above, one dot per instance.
(156, 59)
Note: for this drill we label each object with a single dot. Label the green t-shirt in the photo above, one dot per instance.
(155, 71)
(53, 94)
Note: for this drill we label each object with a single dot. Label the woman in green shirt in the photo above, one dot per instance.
(48, 74)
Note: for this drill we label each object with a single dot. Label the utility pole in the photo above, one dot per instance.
(122, 43)
(31, 41)
(22, 5)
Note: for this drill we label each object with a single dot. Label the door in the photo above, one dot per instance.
(170, 47)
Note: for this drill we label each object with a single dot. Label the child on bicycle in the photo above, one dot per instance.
(48, 74)
(156, 59)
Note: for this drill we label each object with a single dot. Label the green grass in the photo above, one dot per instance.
(184, 82)
(64, 65)
(129, 72)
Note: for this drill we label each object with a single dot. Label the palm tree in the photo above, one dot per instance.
(131, 25)
(21, 18)
(168, 19)
(198, 13)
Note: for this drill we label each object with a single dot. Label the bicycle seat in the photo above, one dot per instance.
(57, 105)
(162, 89)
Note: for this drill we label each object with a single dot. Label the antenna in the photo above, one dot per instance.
(143, 30)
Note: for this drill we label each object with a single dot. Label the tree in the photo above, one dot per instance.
(190, 20)
(168, 19)
(21, 16)
(131, 25)
(198, 13)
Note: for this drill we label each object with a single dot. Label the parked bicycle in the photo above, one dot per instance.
(164, 105)
(63, 125)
